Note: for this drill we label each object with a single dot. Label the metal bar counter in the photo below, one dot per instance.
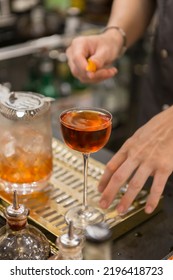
(137, 236)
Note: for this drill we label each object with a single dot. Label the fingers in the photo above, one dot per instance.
(111, 167)
(156, 191)
(134, 187)
(117, 175)
(78, 69)
(78, 53)
(77, 64)
(116, 181)
(147, 153)
(100, 75)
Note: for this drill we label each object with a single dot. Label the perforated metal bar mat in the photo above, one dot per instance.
(47, 208)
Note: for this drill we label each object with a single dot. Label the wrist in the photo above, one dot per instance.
(119, 36)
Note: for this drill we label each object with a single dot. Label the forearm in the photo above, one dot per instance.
(132, 16)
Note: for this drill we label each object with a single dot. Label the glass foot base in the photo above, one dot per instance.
(83, 217)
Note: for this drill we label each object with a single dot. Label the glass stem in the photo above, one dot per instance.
(85, 161)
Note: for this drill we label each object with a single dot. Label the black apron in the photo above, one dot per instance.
(157, 85)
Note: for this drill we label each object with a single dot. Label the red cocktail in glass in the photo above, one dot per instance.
(85, 130)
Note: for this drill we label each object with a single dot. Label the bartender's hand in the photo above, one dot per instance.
(102, 49)
(149, 152)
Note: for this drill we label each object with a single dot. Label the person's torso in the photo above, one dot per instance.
(157, 91)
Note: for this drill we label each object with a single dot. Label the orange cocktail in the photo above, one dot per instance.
(85, 131)
(26, 158)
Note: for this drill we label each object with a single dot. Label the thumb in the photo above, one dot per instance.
(95, 63)
(101, 60)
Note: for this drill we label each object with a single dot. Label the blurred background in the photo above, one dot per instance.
(34, 35)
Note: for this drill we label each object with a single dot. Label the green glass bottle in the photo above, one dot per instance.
(47, 84)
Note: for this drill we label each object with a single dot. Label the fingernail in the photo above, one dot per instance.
(148, 209)
(103, 203)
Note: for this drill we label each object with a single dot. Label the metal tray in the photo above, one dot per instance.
(47, 208)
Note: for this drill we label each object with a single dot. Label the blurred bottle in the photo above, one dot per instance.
(72, 22)
(80, 4)
(57, 4)
(47, 82)
(37, 22)
(32, 82)
(70, 246)
(18, 239)
(63, 74)
(20, 6)
(31, 24)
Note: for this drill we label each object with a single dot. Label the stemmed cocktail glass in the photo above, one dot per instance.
(85, 130)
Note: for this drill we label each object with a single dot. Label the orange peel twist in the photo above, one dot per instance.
(91, 67)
